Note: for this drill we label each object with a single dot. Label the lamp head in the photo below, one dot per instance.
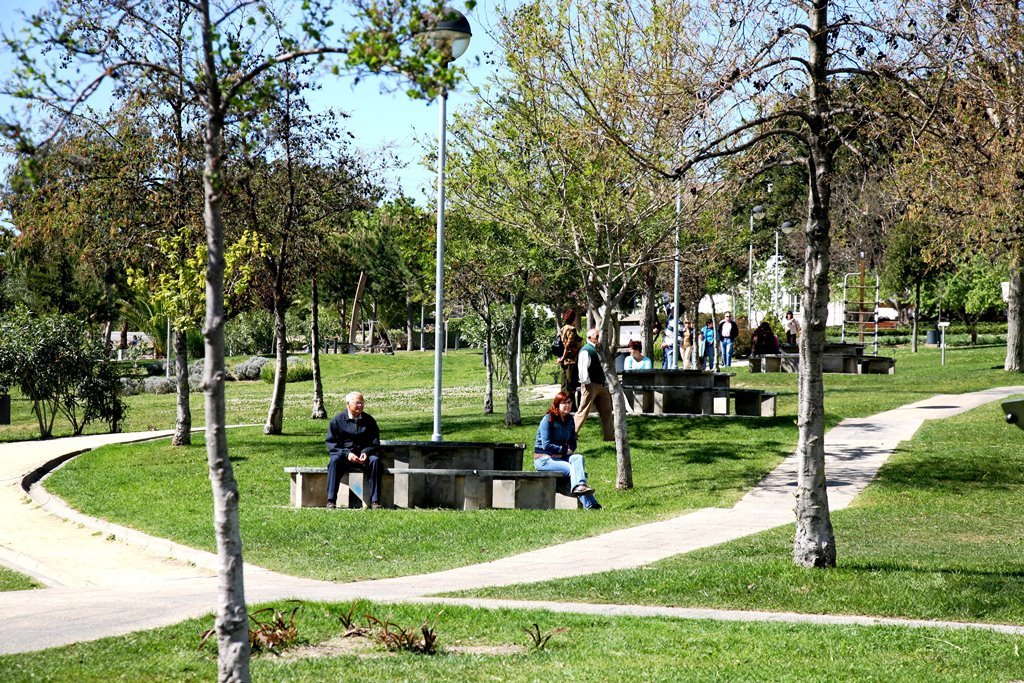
(787, 227)
(449, 31)
(757, 212)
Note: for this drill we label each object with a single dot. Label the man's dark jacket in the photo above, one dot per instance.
(348, 435)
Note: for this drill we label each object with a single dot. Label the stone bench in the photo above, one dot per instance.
(658, 399)
(308, 488)
(461, 489)
(847, 363)
(753, 402)
(774, 362)
(877, 365)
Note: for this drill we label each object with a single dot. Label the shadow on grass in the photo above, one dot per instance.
(949, 474)
(677, 428)
(894, 567)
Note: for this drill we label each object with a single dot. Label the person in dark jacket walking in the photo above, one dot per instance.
(353, 442)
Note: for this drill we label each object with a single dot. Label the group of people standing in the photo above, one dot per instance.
(699, 349)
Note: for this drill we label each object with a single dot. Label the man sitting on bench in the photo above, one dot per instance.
(353, 442)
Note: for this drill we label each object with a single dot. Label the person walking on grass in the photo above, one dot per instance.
(727, 332)
(555, 450)
(593, 388)
(792, 326)
(571, 344)
(706, 339)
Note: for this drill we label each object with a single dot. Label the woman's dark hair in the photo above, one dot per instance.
(569, 316)
(560, 397)
(636, 346)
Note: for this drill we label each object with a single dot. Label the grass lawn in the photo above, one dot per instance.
(678, 465)
(481, 645)
(937, 536)
(13, 581)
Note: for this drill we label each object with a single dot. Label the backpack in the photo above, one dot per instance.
(557, 347)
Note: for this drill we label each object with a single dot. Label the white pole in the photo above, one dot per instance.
(675, 285)
(439, 328)
(750, 274)
(775, 295)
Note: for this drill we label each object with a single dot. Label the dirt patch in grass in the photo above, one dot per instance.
(363, 647)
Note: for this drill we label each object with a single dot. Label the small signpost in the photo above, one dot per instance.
(942, 340)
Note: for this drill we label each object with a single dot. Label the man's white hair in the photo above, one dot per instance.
(351, 396)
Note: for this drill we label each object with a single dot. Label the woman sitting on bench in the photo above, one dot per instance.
(764, 341)
(555, 450)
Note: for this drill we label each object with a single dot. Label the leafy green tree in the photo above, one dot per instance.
(968, 163)
(906, 267)
(61, 368)
(232, 46)
(972, 289)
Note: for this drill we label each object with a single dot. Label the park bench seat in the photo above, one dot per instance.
(877, 365)
(457, 488)
(753, 402)
(675, 400)
(774, 362)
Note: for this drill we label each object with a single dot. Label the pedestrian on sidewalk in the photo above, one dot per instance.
(555, 450)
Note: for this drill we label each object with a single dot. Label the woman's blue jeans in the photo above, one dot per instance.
(574, 469)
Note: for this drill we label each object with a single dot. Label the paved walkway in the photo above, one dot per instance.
(107, 580)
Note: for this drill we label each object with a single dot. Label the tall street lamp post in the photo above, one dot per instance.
(756, 213)
(675, 285)
(786, 228)
(450, 34)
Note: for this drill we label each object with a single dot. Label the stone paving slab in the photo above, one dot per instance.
(108, 587)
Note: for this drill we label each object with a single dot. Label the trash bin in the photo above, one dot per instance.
(932, 337)
(5, 409)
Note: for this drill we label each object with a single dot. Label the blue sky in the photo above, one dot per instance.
(377, 119)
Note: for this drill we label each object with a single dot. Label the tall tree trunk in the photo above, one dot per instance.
(917, 316)
(232, 620)
(183, 424)
(488, 360)
(354, 322)
(1015, 316)
(814, 541)
(623, 457)
(649, 310)
(108, 333)
(319, 410)
(512, 416)
(275, 416)
(123, 344)
(410, 324)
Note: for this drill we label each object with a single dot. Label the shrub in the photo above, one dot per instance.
(158, 385)
(250, 369)
(298, 371)
(61, 368)
(250, 332)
